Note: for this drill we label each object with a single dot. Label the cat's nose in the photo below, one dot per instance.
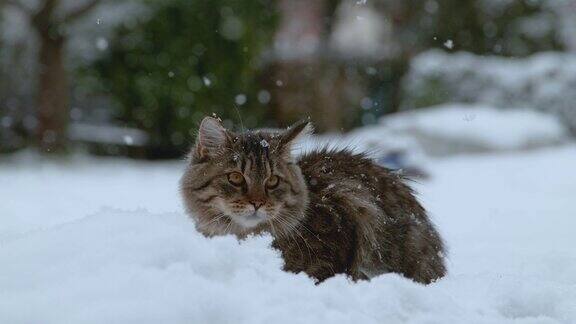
(257, 204)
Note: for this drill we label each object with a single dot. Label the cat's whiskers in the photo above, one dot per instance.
(282, 234)
(290, 235)
(307, 245)
(294, 229)
(310, 249)
(293, 217)
(218, 218)
(272, 227)
(228, 227)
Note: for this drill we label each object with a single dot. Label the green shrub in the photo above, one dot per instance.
(189, 58)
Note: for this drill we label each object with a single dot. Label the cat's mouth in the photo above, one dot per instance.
(250, 220)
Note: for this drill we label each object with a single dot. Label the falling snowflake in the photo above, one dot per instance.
(264, 143)
(240, 99)
(263, 96)
(128, 140)
(449, 44)
(207, 81)
(102, 44)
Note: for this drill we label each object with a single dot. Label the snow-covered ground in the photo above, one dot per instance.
(106, 241)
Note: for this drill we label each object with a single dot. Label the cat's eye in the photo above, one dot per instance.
(236, 178)
(272, 182)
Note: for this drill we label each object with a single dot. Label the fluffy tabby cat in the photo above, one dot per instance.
(329, 211)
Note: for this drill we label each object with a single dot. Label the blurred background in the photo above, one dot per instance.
(134, 77)
(100, 100)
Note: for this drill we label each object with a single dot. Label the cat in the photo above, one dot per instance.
(329, 211)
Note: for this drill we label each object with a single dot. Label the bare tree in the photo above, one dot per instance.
(297, 61)
(52, 99)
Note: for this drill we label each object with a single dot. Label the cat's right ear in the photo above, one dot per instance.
(297, 131)
(212, 137)
(291, 135)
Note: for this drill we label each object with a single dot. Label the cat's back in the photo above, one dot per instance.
(382, 219)
(355, 176)
(326, 163)
(338, 171)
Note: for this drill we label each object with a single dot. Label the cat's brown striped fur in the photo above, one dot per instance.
(331, 212)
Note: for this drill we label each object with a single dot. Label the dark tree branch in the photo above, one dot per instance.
(81, 10)
(42, 19)
(48, 7)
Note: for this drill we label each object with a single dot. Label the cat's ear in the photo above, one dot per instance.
(212, 137)
(294, 133)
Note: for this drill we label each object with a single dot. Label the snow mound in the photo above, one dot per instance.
(138, 267)
(467, 128)
(450, 129)
(544, 81)
(508, 220)
(66, 189)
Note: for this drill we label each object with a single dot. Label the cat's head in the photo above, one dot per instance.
(244, 183)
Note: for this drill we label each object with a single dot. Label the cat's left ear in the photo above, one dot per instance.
(212, 138)
(294, 133)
